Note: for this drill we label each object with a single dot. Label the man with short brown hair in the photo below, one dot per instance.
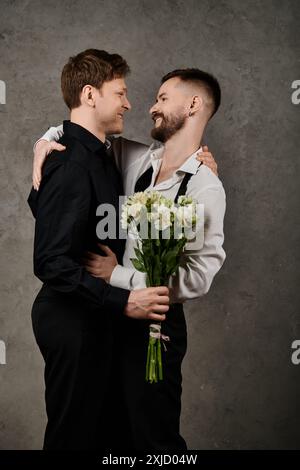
(74, 313)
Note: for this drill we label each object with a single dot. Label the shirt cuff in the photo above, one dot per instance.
(120, 277)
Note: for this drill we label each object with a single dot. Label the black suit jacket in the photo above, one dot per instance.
(73, 185)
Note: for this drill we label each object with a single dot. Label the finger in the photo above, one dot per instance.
(35, 183)
(162, 299)
(207, 161)
(37, 177)
(160, 290)
(201, 158)
(92, 271)
(87, 262)
(160, 308)
(93, 262)
(91, 255)
(95, 266)
(205, 148)
(89, 269)
(204, 154)
(154, 316)
(106, 249)
(56, 146)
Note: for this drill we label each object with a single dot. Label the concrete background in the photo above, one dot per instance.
(240, 388)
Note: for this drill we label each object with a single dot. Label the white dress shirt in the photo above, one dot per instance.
(197, 266)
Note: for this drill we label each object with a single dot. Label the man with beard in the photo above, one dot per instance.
(186, 101)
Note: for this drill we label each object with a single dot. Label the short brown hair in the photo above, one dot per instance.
(90, 67)
(208, 81)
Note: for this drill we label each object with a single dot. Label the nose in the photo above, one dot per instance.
(127, 104)
(153, 109)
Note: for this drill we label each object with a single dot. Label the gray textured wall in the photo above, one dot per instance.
(240, 388)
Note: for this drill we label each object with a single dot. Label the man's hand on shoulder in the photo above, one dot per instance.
(207, 159)
(42, 149)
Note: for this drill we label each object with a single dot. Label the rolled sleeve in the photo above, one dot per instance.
(53, 133)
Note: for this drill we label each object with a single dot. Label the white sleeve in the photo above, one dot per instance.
(53, 133)
(127, 278)
(197, 268)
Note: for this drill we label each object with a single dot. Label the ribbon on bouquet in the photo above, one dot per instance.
(157, 334)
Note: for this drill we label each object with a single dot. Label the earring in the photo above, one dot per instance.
(190, 113)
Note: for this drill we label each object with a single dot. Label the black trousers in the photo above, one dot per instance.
(96, 394)
(76, 344)
(151, 413)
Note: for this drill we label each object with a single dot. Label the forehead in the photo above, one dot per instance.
(116, 83)
(170, 86)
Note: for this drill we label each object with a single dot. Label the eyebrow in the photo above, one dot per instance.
(161, 95)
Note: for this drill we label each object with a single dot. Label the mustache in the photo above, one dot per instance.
(157, 115)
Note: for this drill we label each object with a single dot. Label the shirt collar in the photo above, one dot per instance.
(84, 136)
(107, 144)
(189, 166)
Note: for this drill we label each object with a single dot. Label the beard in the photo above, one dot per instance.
(168, 127)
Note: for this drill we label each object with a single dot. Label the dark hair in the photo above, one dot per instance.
(90, 67)
(208, 81)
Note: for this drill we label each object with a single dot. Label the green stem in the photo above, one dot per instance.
(148, 361)
(151, 362)
(160, 374)
(154, 361)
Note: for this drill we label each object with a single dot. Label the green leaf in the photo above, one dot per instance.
(139, 266)
(140, 257)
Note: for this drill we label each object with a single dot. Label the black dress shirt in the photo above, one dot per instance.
(73, 185)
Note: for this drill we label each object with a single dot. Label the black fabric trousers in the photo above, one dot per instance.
(150, 416)
(96, 394)
(76, 344)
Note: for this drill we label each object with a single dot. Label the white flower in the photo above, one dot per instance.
(135, 210)
(162, 217)
(185, 200)
(124, 217)
(185, 214)
(140, 197)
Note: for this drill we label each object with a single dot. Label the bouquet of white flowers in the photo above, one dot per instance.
(162, 230)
